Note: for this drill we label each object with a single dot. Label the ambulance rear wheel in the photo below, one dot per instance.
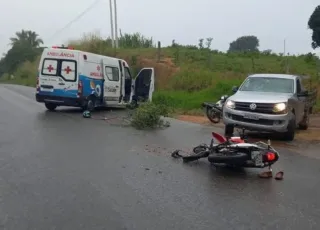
(90, 104)
(50, 107)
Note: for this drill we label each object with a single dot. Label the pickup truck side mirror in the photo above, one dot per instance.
(303, 94)
(235, 89)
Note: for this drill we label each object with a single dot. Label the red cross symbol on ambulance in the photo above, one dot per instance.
(50, 68)
(67, 70)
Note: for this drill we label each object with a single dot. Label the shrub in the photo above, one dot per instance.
(149, 116)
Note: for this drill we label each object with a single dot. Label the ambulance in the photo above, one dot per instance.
(68, 77)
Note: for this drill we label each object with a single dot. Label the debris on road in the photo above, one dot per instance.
(127, 119)
(279, 175)
(269, 174)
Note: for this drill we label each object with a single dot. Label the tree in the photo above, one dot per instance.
(201, 43)
(245, 43)
(2, 67)
(20, 36)
(25, 47)
(208, 42)
(27, 38)
(267, 52)
(17, 55)
(33, 39)
(314, 25)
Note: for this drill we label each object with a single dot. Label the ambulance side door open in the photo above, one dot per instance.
(144, 84)
(111, 86)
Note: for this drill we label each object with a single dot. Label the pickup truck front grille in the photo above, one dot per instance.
(259, 122)
(266, 108)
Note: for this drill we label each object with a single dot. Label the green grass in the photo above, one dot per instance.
(192, 100)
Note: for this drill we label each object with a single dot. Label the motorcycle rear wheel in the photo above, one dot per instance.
(233, 159)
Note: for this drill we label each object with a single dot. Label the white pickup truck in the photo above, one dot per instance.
(269, 103)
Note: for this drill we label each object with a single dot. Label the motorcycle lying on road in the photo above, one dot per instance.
(214, 110)
(235, 152)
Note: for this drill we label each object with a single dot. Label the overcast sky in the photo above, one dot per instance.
(185, 21)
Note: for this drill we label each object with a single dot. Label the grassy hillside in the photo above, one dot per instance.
(186, 75)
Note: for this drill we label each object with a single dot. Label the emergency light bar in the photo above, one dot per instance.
(63, 47)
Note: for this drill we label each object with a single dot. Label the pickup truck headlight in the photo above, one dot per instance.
(230, 104)
(279, 107)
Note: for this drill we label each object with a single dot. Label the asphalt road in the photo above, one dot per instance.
(61, 171)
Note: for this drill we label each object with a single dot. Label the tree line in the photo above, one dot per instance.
(26, 44)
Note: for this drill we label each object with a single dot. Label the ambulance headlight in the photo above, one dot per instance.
(230, 104)
(280, 107)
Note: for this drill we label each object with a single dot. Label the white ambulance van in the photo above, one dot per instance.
(68, 77)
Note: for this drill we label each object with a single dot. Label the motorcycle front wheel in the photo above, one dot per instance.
(213, 116)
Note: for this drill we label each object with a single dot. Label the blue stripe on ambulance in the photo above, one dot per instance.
(91, 86)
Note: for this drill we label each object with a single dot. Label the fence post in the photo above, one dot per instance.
(159, 51)
(253, 64)
(287, 64)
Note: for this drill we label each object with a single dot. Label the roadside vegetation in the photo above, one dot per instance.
(186, 75)
(150, 116)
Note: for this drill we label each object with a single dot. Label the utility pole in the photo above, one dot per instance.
(111, 23)
(116, 24)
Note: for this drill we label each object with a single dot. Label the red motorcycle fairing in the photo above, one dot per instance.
(221, 139)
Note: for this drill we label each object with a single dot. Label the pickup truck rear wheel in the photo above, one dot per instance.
(228, 130)
(291, 130)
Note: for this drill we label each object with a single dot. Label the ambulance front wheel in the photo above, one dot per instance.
(50, 107)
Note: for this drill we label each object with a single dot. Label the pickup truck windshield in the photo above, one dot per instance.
(268, 84)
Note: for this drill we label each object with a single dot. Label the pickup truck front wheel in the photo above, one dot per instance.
(228, 130)
(291, 130)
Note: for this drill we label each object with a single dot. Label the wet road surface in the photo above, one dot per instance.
(61, 171)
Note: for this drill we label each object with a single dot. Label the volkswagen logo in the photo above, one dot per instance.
(253, 106)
